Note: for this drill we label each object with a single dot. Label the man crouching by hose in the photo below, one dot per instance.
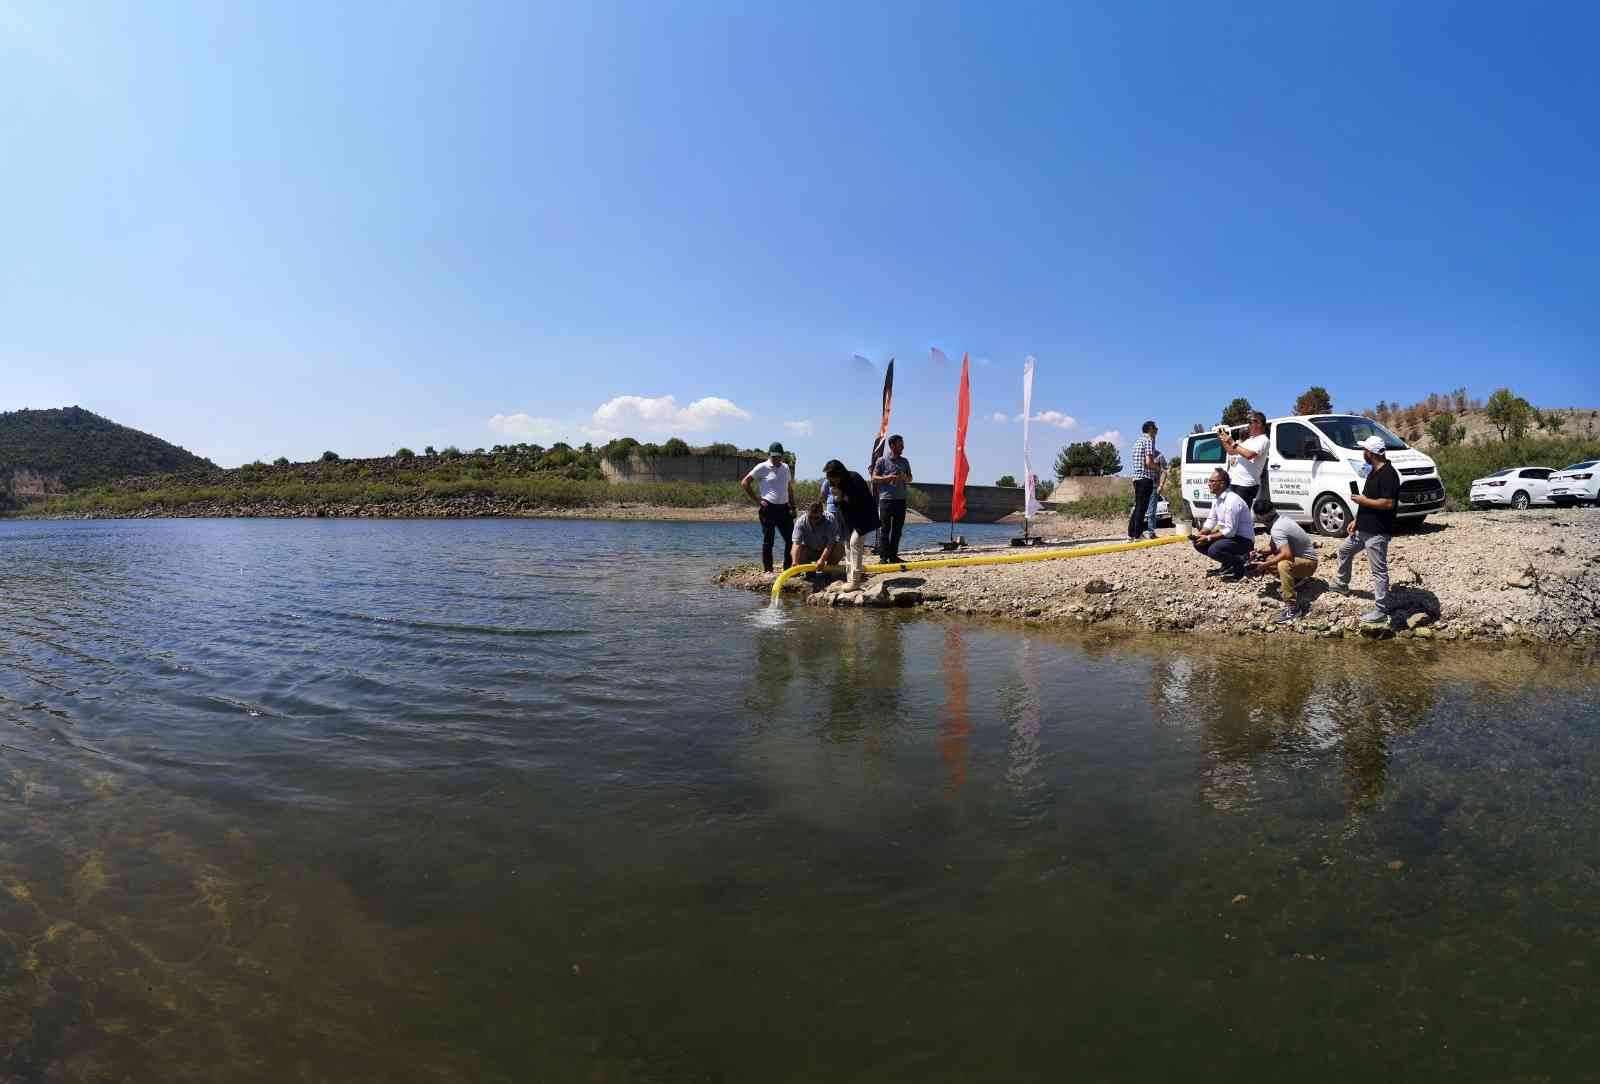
(816, 539)
(776, 498)
(858, 515)
(1291, 554)
(1229, 532)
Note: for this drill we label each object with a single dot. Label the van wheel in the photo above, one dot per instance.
(1331, 517)
(1520, 501)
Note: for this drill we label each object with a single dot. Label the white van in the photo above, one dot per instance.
(1311, 462)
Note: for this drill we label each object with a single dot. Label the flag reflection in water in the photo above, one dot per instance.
(957, 727)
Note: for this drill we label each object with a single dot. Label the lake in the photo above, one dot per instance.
(498, 800)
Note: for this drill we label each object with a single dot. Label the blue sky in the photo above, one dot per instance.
(273, 229)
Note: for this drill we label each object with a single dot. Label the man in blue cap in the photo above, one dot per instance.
(771, 485)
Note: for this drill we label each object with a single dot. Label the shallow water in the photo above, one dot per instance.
(532, 800)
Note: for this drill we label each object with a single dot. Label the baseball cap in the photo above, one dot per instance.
(1374, 444)
(776, 449)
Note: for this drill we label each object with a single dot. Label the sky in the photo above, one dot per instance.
(273, 229)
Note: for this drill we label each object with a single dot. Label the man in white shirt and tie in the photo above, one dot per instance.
(1229, 532)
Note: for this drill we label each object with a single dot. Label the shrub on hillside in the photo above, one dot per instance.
(330, 457)
(281, 461)
(451, 452)
(405, 453)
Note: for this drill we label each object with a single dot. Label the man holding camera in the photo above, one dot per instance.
(1377, 505)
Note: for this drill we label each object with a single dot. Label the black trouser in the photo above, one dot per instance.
(891, 524)
(775, 519)
(1248, 495)
(1141, 501)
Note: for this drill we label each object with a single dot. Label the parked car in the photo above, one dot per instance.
(1312, 461)
(1576, 484)
(1163, 513)
(1518, 487)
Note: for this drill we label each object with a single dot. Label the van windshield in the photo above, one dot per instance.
(1348, 431)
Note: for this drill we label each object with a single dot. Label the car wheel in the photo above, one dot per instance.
(1331, 517)
(1519, 501)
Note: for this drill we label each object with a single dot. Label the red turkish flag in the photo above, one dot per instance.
(958, 498)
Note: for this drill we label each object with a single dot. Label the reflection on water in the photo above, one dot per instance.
(416, 801)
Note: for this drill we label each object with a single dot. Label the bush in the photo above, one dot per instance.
(619, 449)
(649, 451)
(429, 451)
(1042, 488)
(451, 452)
(281, 461)
(1007, 481)
(675, 447)
(405, 453)
(722, 449)
(330, 457)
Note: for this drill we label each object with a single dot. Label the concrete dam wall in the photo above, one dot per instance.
(679, 468)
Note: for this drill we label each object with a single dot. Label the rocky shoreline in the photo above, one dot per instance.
(1519, 577)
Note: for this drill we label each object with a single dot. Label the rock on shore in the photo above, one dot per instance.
(1499, 576)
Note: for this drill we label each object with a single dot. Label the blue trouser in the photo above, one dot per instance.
(1228, 552)
(1150, 512)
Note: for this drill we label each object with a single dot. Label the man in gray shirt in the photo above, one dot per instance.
(816, 538)
(891, 477)
(1291, 552)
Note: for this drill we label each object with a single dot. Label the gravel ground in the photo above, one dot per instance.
(1498, 576)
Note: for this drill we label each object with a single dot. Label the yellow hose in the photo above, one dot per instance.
(992, 559)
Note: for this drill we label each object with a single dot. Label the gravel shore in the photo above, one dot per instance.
(1496, 576)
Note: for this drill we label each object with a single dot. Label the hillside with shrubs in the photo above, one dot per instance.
(504, 479)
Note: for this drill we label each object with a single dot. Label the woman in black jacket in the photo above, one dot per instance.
(858, 515)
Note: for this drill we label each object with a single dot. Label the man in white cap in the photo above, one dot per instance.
(1371, 529)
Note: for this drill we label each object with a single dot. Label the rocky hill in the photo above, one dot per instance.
(52, 451)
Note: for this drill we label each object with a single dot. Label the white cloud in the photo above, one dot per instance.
(802, 428)
(998, 418)
(663, 415)
(525, 428)
(1110, 436)
(626, 415)
(1050, 417)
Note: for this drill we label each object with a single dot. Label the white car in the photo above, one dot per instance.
(1576, 484)
(1518, 487)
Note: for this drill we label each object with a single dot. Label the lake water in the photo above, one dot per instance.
(534, 801)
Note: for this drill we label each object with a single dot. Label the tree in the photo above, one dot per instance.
(675, 446)
(1110, 461)
(430, 451)
(1553, 421)
(453, 452)
(1314, 400)
(1237, 412)
(330, 457)
(1442, 428)
(405, 453)
(1508, 413)
(1077, 458)
(1381, 412)
(281, 461)
(1007, 481)
(1042, 488)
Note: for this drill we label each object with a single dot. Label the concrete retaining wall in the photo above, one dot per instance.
(1081, 489)
(679, 468)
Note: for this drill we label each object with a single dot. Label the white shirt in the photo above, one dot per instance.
(1232, 516)
(1247, 472)
(772, 483)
